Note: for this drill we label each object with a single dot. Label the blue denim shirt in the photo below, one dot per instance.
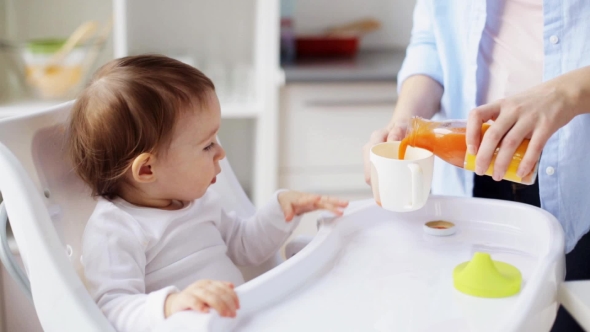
(445, 46)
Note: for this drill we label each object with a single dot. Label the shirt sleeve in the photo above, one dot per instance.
(421, 54)
(114, 267)
(254, 240)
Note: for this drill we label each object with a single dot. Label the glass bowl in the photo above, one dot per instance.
(31, 63)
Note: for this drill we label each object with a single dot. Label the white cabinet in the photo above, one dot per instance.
(324, 127)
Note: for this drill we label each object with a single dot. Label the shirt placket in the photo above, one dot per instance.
(552, 67)
(478, 14)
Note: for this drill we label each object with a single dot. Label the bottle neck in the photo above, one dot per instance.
(420, 134)
(444, 139)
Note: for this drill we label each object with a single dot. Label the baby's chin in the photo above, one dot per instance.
(199, 194)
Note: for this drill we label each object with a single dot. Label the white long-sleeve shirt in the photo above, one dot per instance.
(134, 256)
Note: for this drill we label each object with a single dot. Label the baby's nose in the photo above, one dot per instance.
(221, 153)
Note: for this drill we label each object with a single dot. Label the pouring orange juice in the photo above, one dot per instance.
(446, 140)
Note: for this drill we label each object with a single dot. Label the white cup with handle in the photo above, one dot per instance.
(400, 185)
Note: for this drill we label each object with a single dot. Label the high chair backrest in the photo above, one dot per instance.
(48, 206)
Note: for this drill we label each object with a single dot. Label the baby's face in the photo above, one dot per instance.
(191, 164)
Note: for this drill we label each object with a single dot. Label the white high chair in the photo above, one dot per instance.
(371, 269)
(48, 206)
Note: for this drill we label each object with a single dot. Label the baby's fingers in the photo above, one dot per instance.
(227, 293)
(332, 204)
(336, 209)
(288, 211)
(323, 203)
(307, 203)
(304, 203)
(192, 302)
(327, 202)
(229, 298)
(214, 300)
(307, 200)
(334, 201)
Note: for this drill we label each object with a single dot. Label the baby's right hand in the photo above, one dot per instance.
(201, 296)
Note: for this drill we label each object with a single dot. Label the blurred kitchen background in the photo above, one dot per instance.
(302, 83)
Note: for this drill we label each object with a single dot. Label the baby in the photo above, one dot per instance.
(143, 136)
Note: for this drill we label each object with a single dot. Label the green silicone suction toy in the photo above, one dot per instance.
(486, 278)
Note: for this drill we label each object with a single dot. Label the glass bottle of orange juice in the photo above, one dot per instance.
(446, 139)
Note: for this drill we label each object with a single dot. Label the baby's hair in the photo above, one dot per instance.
(130, 106)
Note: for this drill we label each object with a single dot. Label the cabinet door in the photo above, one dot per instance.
(324, 128)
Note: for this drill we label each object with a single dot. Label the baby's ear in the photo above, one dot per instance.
(142, 168)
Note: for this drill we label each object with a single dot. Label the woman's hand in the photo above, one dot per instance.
(536, 114)
(420, 95)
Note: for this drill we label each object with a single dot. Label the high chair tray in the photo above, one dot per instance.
(375, 270)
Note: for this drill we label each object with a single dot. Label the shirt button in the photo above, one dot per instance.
(550, 170)
(554, 39)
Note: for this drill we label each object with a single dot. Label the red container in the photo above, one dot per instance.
(326, 46)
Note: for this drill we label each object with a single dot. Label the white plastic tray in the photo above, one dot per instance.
(375, 270)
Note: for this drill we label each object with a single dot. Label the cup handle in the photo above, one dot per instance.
(417, 184)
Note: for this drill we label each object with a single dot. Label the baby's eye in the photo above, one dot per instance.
(209, 147)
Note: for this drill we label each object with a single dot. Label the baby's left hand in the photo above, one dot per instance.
(296, 203)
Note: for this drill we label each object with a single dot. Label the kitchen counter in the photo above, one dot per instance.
(369, 65)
